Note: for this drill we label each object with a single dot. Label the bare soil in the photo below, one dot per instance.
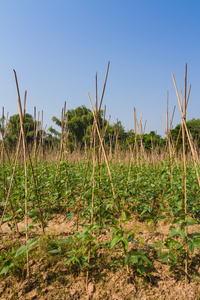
(50, 278)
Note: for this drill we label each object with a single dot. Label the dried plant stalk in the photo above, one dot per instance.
(103, 148)
(29, 157)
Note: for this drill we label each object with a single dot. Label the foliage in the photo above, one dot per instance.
(193, 126)
(149, 140)
(79, 122)
(14, 129)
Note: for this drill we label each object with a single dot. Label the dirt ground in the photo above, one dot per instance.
(51, 279)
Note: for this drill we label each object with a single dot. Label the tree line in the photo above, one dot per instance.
(78, 129)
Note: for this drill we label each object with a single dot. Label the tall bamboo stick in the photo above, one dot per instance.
(29, 157)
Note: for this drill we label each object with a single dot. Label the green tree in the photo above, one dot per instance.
(152, 137)
(79, 124)
(147, 139)
(117, 132)
(14, 129)
(193, 126)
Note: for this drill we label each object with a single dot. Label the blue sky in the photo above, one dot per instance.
(56, 48)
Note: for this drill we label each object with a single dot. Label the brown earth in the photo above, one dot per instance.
(50, 278)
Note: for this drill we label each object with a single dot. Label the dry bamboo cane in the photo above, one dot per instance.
(4, 133)
(110, 176)
(110, 148)
(195, 148)
(29, 157)
(152, 151)
(183, 108)
(41, 140)
(26, 188)
(136, 144)
(103, 139)
(188, 135)
(93, 176)
(168, 141)
(142, 131)
(79, 200)
(65, 134)
(94, 167)
(11, 182)
(12, 209)
(36, 134)
(96, 129)
(116, 132)
(3, 154)
(62, 130)
(96, 121)
(61, 140)
(102, 132)
(130, 164)
(184, 175)
(34, 120)
(104, 86)
(98, 151)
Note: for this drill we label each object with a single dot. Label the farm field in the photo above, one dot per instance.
(94, 241)
(88, 215)
(99, 150)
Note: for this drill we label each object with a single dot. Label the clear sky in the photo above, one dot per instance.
(56, 48)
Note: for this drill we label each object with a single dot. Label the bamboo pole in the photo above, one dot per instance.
(184, 174)
(184, 128)
(187, 132)
(26, 188)
(29, 157)
(103, 148)
(104, 86)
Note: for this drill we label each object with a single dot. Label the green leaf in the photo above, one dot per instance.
(190, 221)
(125, 243)
(77, 260)
(9, 262)
(116, 263)
(21, 250)
(182, 234)
(94, 226)
(86, 264)
(164, 256)
(115, 241)
(66, 241)
(154, 245)
(5, 270)
(31, 226)
(55, 251)
(131, 237)
(197, 242)
(162, 217)
(127, 259)
(146, 259)
(109, 205)
(191, 246)
(134, 259)
(18, 211)
(174, 231)
(125, 216)
(172, 257)
(141, 269)
(69, 260)
(32, 242)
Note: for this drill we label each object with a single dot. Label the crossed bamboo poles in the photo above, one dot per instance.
(96, 129)
(26, 152)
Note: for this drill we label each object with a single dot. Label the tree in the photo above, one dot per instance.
(79, 124)
(152, 137)
(147, 139)
(14, 129)
(193, 126)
